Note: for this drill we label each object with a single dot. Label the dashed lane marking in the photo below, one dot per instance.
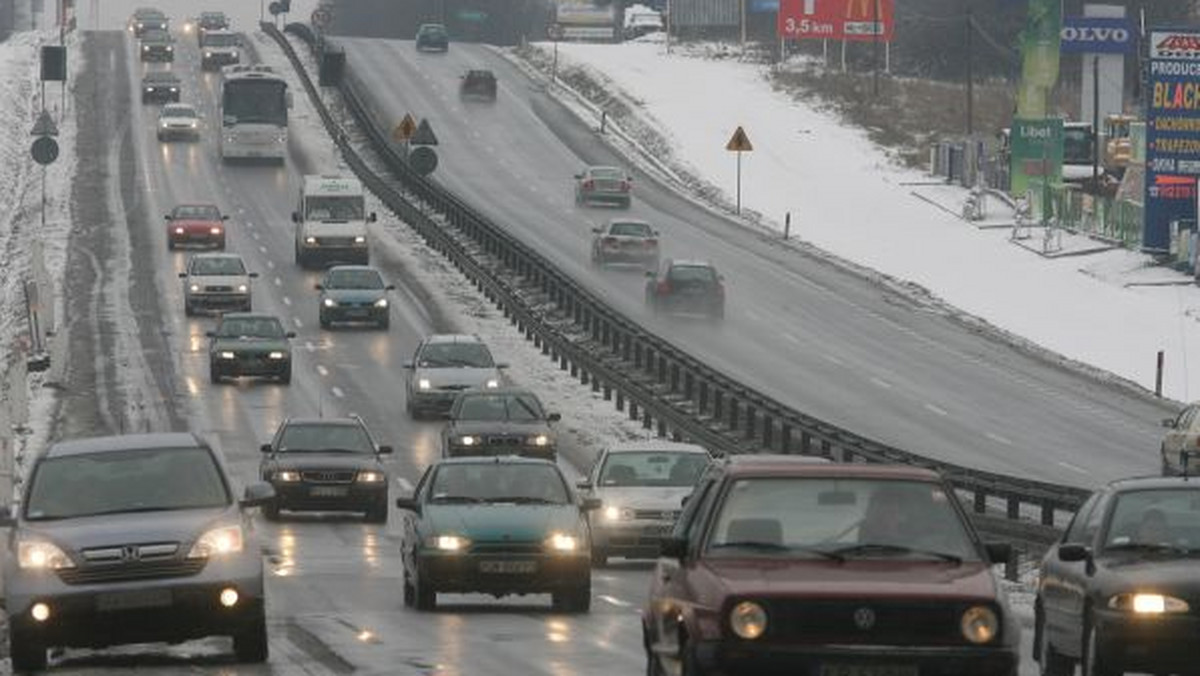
(337, 392)
(1073, 468)
(936, 409)
(881, 383)
(791, 339)
(321, 369)
(612, 600)
(278, 281)
(287, 301)
(404, 484)
(998, 439)
(296, 321)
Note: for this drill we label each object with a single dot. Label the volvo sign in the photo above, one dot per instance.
(1096, 35)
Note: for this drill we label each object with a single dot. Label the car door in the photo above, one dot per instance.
(1074, 582)
(414, 523)
(1053, 596)
(1177, 435)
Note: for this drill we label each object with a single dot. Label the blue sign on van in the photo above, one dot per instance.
(1085, 34)
(764, 6)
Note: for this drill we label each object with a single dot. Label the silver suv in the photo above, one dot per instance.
(132, 539)
(444, 365)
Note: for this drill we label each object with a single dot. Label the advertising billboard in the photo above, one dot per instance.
(863, 20)
(1097, 35)
(1172, 133)
(1037, 154)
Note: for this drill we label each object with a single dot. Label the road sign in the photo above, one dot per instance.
(424, 136)
(44, 150)
(739, 142)
(44, 126)
(275, 8)
(405, 129)
(423, 160)
(555, 31)
(868, 20)
(321, 17)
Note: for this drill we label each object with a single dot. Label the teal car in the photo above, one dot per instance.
(354, 293)
(499, 526)
(249, 344)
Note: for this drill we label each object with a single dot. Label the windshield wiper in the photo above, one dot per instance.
(456, 498)
(137, 510)
(526, 500)
(322, 450)
(884, 549)
(752, 544)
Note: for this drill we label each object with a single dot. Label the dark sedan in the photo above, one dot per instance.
(682, 287)
(499, 422)
(132, 539)
(246, 344)
(161, 87)
(156, 45)
(326, 464)
(1121, 591)
(496, 526)
(432, 37)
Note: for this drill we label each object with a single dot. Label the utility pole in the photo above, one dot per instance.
(875, 49)
(1096, 125)
(970, 76)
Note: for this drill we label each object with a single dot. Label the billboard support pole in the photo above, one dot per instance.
(970, 78)
(1096, 124)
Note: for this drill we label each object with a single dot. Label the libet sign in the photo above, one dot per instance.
(868, 20)
(1085, 34)
(1172, 134)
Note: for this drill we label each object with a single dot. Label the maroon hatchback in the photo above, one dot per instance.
(783, 565)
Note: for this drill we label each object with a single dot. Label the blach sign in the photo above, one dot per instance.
(1172, 134)
(1098, 36)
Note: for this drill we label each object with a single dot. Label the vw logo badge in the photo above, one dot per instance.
(864, 618)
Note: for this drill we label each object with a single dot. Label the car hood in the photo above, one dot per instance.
(262, 344)
(219, 280)
(109, 530)
(501, 522)
(443, 377)
(354, 295)
(498, 427)
(178, 119)
(852, 579)
(644, 497)
(1167, 575)
(300, 460)
(335, 228)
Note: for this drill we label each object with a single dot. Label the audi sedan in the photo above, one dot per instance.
(326, 464)
(495, 526)
(605, 185)
(246, 344)
(132, 539)
(625, 241)
(506, 421)
(195, 224)
(354, 293)
(216, 282)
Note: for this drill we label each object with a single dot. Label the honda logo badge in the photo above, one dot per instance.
(130, 553)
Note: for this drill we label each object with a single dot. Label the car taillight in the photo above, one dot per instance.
(664, 288)
(610, 241)
(587, 185)
(650, 243)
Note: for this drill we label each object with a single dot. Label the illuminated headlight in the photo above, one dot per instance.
(149, 90)
(174, 89)
(492, 384)
(329, 302)
(980, 625)
(242, 288)
(215, 231)
(282, 137)
(40, 555)
(193, 124)
(170, 49)
(748, 620)
(469, 440)
(228, 355)
(163, 124)
(145, 48)
(141, 26)
(276, 355)
(371, 477)
(208, 55)
(310, 240)
(615, 513)
(382, 302)
(178, 231)
(559, 542)
(424, 384)
(450, 543)
(195, 288)
(218, 542)
(359, 239)
(288, 476)
(539, 440)
(1148, 604)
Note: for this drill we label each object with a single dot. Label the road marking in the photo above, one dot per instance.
(832, 359)
(262, 248)
(271, 264)
(321, 368)
(337, 392)
(791, 339)
(614, 601)
(404, 484)
(255, 236)
(287, 301)
(278, 281)
(999, 439)
(308, 345)
(752, 315)
(934, 409)
(296, 321)
(881, 383)
(1073, 468)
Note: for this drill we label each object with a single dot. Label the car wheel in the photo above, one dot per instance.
(248, 307)
(324, 321)
(1051, 663)
(410, 596)
(214, 375)
(599, 557)
(574, 600)
(1090, 653)
(688, 664)
(286, 377)
(27, 653)
(220, 242)
(378, 513)
(424, 597)
(385, 323)
(188, 310)
(1167, 470)
(250, 644)
(653, 666)
(270, 511)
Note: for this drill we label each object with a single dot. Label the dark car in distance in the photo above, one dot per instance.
(148, 19)
(156, 45)
(686, 287)
(478, 85)
(1120, 592)
(132, 539)
(326, 464)
(791, 565)
(432, 37)
(502, 421)
(160, 87)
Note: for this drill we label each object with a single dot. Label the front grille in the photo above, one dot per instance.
(326, 476)
(335, 241)
(844, 622)
(219, 289)
(505, 441)
(135, 570)
(507, 548)
(655, 514)
(454, 388)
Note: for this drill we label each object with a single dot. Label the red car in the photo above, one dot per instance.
(196, 224)
(791, 565)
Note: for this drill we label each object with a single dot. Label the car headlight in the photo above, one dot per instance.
(1148, 604)
(539, 440)
(228, 355)
(329, 302)
(492, 384)
(163, 124)
(141, 26)
(562, 543)
(218, 542)
(170, 49)
(41, 555)
(424, 384)
(242, 288)
(468, 440)
(215, 230)
(748, 620)
(371, 477)
(449, 543)
(359, 239)
(276, 355)
(288, 476)
(149, 90)
(382, 302)
(310, 240)
(208, 55)
(980, 624)
(195, 288)
(145, 48)
(178, 231)
(174, 89)
(193, 124)
(615, 513)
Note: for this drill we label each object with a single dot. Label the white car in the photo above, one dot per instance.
(641, 486)
(178, 121)
(216, 281)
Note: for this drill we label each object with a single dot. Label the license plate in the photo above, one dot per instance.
(508, 567)
(868, 670)
(145, 598)
(657, 530)
(329, 491)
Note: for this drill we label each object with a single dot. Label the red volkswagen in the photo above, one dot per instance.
(783, 565)
(196, 224)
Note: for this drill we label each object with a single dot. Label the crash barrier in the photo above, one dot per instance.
(659, 384)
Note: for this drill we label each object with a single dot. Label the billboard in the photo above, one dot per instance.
(1036, 153)
(865, 20)
(1097, 35)
(1172, 133)
(584, 13)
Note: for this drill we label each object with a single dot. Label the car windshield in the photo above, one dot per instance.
(500, 407)
(455, 355)
(607, 173)
(218, 266)
(250, 327)
(1166, 519)
(353, 279)
(155, 36)
(196, 212)
(652, 468)
(316, 438)
(836, 517)
(141, 480)
(334, 208)
(499, 482)
(178, 111)
(220, 40)
(692, 273)
(626, 229)
(161, 78)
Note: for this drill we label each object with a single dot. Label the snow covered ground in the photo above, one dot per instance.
(847, 197)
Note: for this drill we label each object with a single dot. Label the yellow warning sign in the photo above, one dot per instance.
(739, 142)
(405, 129)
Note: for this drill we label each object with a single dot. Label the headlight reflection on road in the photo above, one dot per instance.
(371, 550)
(558, 631)
(287, 553)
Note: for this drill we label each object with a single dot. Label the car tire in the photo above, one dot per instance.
(574, 600)
(378, 513)
(214, 375)
(1050, 662)
(220, 242)
(26, 652)
(385, 323)
(424, 597)
(250, 644)
(248, 307)
(188, 310)
(1088, 666)
(286, 377)
(599, 557)
(270, 511)
(688, 664)
(410, 595)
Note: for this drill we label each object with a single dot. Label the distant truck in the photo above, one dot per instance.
(331, 222)
(641, 20)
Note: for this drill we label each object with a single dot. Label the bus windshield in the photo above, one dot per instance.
(254, 102)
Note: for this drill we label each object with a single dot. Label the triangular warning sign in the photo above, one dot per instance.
(423, 136)
(739, 142)
(405, 129)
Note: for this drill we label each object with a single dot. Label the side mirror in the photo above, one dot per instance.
(385, 450)
(583, 485)
(253, 275)
(673, 547)
(597, 230)
(183, 275)
(390, 287)
(257, 495)
(319, 287)
(6, 517)
(578, 175)
(408, 505)
(371, 218)
(589, 504)
(210, 334)
(295, 216)
(288, 99)
(650, 274)
(265, 448)
(998, 552)
(224, 217)
(290, 334)
(1073, 552)
(501, 365)
(684, 500)
(167, 217)
(554, 417)
(408, 365)
(1169, 423)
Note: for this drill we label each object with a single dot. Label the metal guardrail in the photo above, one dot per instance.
(657, 382)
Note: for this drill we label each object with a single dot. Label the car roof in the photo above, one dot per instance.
(160, 76)
(690, 263)
(362, 268)
(212, 13)
(656, 445)
(772, 465)
(605, 167)
(453, 338)
(495, 460)
(341, 422)
(219, 31)
(221, 254)
(636, 221)
(123, 442)
(249, 315)
(1155, 481)
(429, 26)
(179, 106)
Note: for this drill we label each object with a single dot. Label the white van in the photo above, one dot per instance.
(331, 222)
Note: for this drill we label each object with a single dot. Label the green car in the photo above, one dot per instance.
(502, 525)
(249, 344)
